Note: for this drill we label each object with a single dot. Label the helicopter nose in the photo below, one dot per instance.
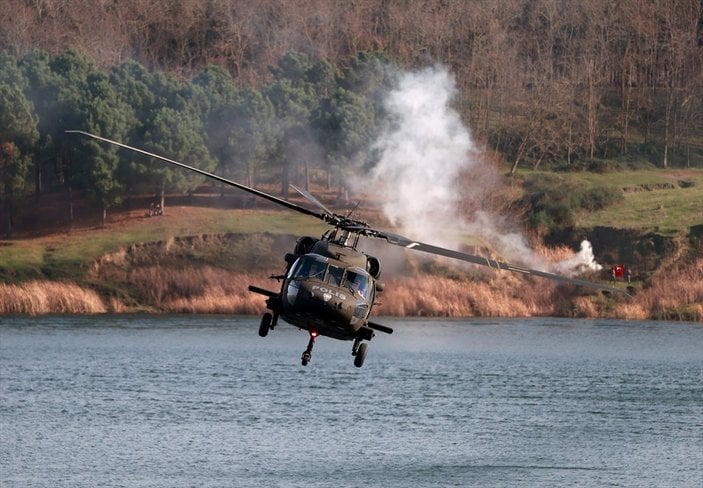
(330, 303)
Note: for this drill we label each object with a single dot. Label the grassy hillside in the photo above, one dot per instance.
(68, 254)
(661, 201)
(146, 263)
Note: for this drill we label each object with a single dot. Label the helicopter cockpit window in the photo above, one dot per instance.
(309, 267)
(335, 275)
(359, 282)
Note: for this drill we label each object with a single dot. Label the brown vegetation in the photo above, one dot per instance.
(675, 293)
(540, 78)
(42, 297)
(434, 296)
(211, 274)
(199, 289)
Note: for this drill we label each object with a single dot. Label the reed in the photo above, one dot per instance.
(203, 289)
(42, 297)
(674, 291)
(435, 296)
(207, 289)
(219, 301)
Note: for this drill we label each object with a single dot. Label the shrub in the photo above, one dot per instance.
(553, 201)
(598, 198)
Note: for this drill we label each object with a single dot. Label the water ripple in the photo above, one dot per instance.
(202, 401)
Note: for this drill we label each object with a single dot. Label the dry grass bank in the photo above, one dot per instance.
(171, 277)
(187, 288)
(200, 289)
(216, 291)
(42, 297)
(675, 293)
(434, 296)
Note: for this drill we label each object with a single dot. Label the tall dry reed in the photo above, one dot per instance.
(672, 289)
(201, 289)
(440, 296)
(213, 290)
(208, 289)
(216, 300)
(43, 297)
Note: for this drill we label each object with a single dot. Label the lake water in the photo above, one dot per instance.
(141, 401)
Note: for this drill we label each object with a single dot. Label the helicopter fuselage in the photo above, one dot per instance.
(328, 289)
(328, 297)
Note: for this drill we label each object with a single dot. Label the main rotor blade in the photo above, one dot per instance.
(311, 198)
(249, 189)
(401, 241)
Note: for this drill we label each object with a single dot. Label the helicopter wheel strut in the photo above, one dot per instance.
(355, 346)
(359, 351)
(266, 324)
(307, 355)
(360, 355)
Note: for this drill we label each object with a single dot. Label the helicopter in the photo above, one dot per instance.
(329, 287)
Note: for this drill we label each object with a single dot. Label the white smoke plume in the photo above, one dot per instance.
(423, 153)
(582, 261)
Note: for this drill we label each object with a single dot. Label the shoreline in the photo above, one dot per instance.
(424, 296)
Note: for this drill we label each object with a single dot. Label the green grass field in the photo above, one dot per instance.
(65, 255)
(660, 201)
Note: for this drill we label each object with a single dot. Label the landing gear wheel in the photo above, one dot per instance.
(360, 355)
(307, 355)
(265, 325)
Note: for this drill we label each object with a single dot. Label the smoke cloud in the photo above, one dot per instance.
(428, 164)
(422, 153)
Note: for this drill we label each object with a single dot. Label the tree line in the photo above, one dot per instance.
(208, 121)
(540, 80)
(245, 88)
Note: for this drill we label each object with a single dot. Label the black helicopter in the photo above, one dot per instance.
(329, 286)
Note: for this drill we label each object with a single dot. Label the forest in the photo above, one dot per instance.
(274, 91)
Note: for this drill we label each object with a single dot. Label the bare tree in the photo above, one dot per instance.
(529, 71)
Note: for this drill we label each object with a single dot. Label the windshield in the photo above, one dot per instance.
(309, 267)
(316, 267)
(358, 281)
(335, 275)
